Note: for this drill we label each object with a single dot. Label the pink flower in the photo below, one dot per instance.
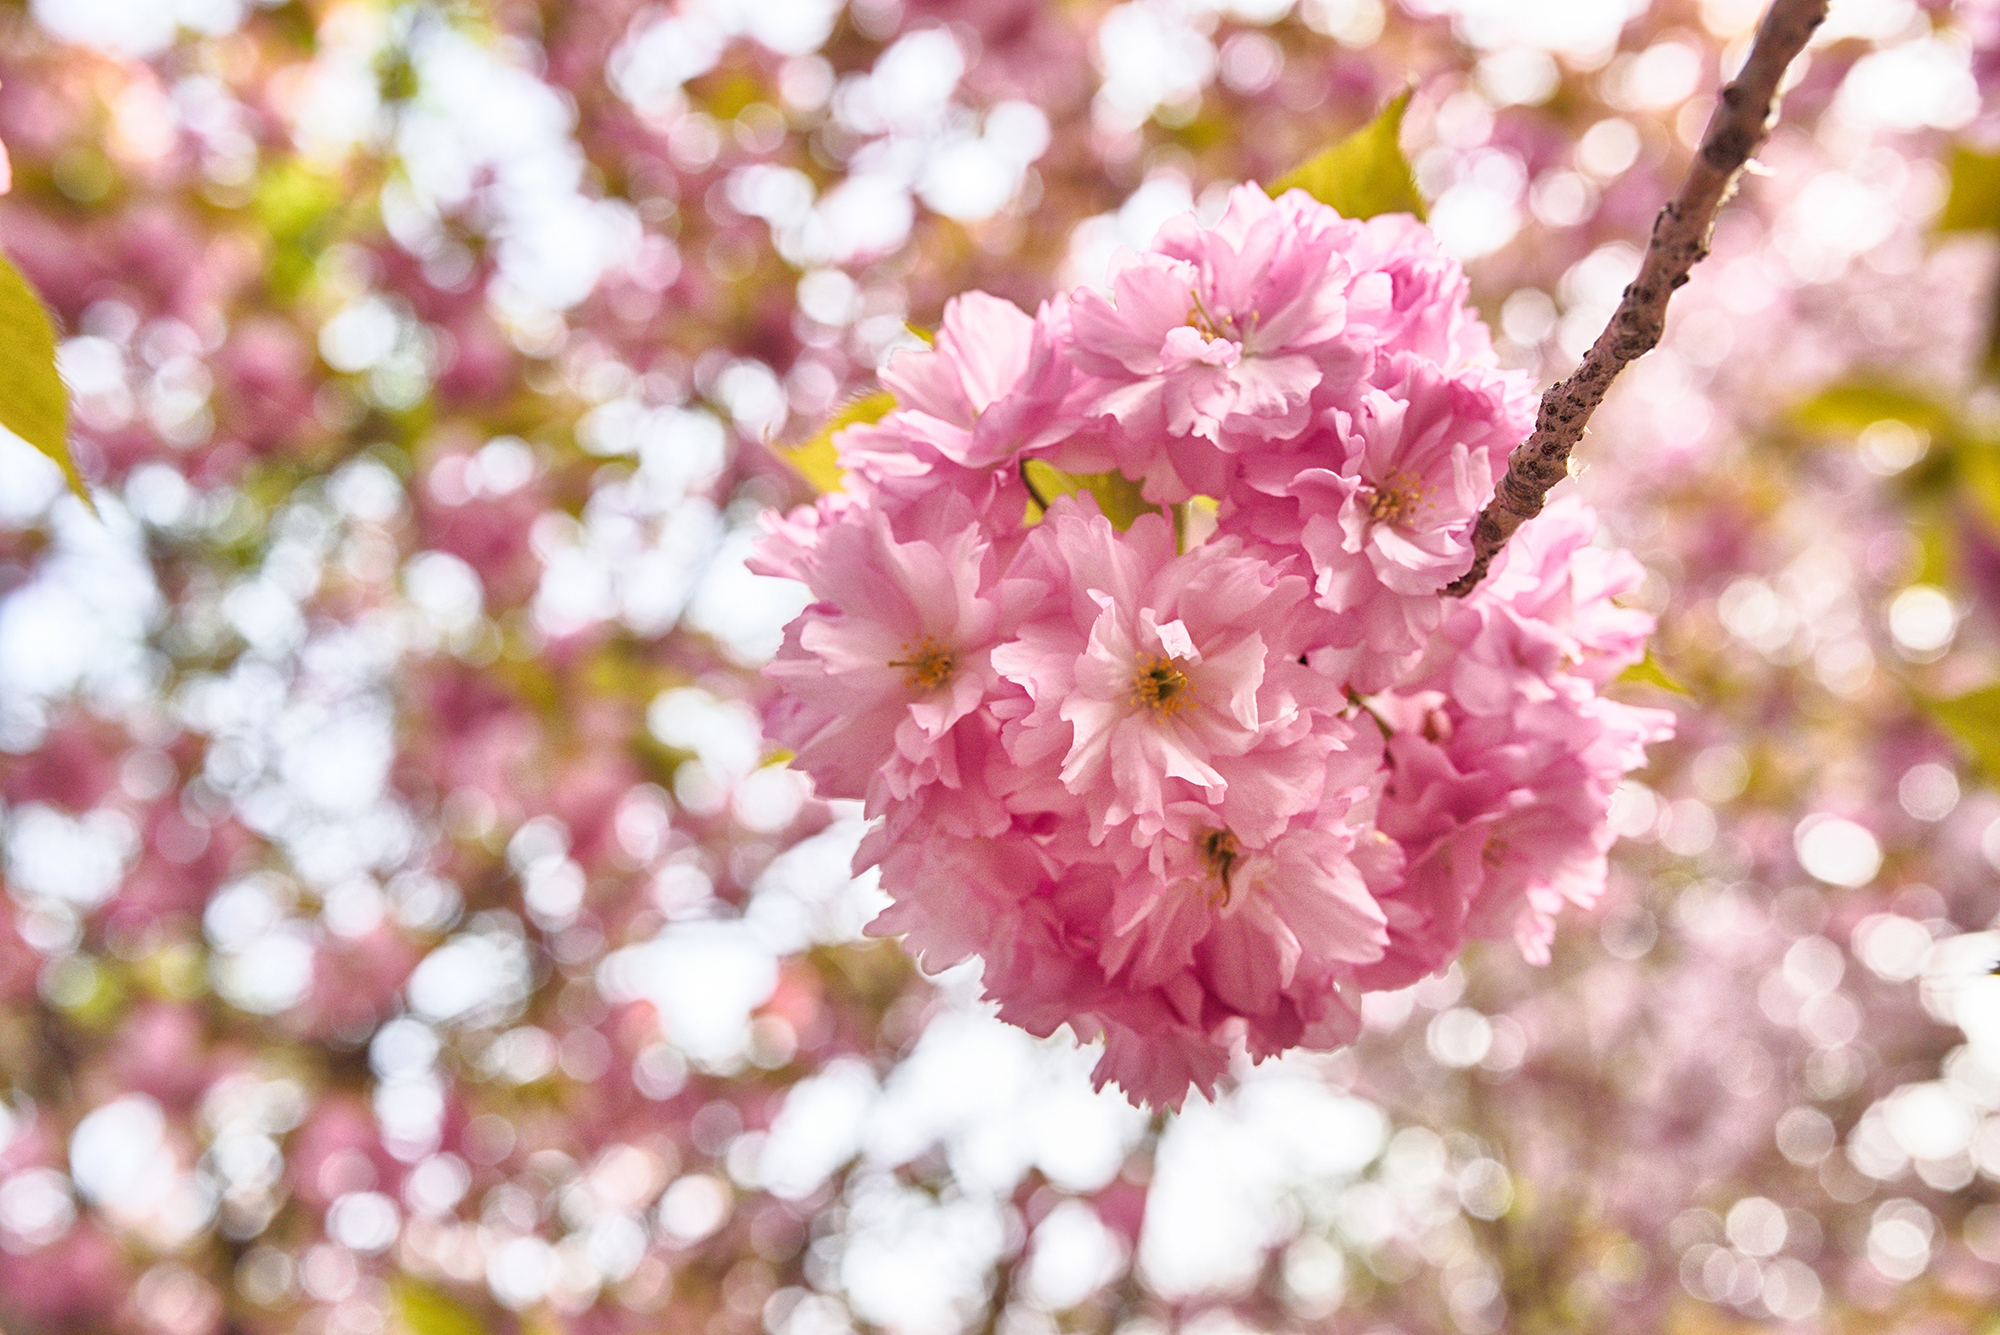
(1382, 501)
(894, 652)
(1157, 1041)
(1253, 914)
(953, 897)
(1503, 818)
(1410, 296)
(1133, 779)
(1225, 946)
(894, 467)
(1548, 604)
(1149, 673)
(994, 379)
(1219, 338)
(1504, 759)
(990, 392)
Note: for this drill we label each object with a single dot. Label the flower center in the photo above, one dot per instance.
(1219, 850)
(1161, 686)
(1396, 500)
(1437, 725)
(929, 667)
(1200, 319)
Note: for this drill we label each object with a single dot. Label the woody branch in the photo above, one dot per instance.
(1680, 239)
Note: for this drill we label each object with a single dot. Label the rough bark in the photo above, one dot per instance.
(1680, 239)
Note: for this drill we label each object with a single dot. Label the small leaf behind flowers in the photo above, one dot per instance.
(1117, 495)
(816, 460)
(33, 403)
(1649, 671)
(1365, 173)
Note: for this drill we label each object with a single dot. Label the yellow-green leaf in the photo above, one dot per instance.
(1938, 551)
(1365, 173)
(1117, 495)
(1974, 206)
(1852, 406)
(1649, 671)
(33, 403)
(428, 1311)
(817, 461)
(1974, 202)
(1978, 470)
(1973, 721)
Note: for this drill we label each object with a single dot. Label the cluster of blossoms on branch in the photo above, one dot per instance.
(1128, 625)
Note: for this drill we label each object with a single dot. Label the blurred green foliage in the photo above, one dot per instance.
(1974, 206)
(298, 209)
(1955, 480)
(1973, 721)
(1974, 202)
(427, 1311)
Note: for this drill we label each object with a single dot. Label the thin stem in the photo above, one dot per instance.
(1360, 702)
(1680, 239)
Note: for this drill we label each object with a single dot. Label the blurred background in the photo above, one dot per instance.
(403, 931)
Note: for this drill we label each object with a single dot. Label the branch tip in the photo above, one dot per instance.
(1742, 121)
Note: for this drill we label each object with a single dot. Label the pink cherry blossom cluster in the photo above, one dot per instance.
(1194, 781)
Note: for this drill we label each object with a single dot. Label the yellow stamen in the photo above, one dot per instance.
(930, 666)
(1229, 326)
(1161, 686)
(1198, 318)
(1396, 500)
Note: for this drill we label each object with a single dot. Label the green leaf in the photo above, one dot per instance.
(1938, 550)
(1365, 173)
(1973, 721)
(1974, 202)
(428, 1311)
(1117, 495)
(1978, 469)
(1850, 407)
(33, 403)
(817, 460)
(1974, 206)
(1649, 671)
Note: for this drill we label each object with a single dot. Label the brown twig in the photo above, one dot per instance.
(1680, 239)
